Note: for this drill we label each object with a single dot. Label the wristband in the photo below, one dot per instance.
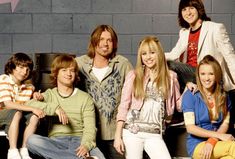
(212, 141)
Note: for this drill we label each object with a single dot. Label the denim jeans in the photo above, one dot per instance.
(58, 147)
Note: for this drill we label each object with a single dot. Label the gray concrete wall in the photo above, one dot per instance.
(65, 25)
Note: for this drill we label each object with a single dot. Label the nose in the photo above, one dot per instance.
(148, 55)
(106, 42)
(69, 73)
(207, 78)
(187, 10)
(24, 70)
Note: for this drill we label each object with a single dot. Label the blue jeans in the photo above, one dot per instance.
(58, 147)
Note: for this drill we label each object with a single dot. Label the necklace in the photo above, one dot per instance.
(210, 100)
(65, 96)
(211, 104)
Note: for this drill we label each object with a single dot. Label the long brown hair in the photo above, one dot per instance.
(95, 39)
(218, 91)
(162, 73)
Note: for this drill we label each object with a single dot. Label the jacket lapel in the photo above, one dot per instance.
(204, 31)
(183, 56)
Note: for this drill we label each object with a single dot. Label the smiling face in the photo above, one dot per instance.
(20, 73)
(66, 76)
(149, 57)
(191, 16)
(105, 45)
(207, 77)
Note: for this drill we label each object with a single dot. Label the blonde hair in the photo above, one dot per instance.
(218, 91)
(162, 79)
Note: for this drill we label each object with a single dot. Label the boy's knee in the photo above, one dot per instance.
(34, 119)
(18, 115)
(32, 140)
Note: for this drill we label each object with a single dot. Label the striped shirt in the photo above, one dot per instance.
(10, 91)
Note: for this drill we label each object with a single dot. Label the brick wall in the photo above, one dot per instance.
(65, 25)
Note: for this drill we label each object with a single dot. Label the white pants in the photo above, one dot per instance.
(153, 144)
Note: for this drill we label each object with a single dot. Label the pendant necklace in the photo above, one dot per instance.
(210, 100)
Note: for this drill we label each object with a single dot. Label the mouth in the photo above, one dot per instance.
(207, 83)
(149, 62)
(190, 17)
(104, 49)
(68, 78)
(24, 76)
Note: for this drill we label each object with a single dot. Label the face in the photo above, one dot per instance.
(66, 76)
(190, 15)
(149, 58)
(20, 73)
(207, 77)
(105, 45)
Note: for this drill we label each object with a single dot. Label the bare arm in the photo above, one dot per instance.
(118, 142)
(201, 132)
(13, 105)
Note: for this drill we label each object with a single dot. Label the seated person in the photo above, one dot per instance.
(15, 90)
(206, 114)
(72, 134)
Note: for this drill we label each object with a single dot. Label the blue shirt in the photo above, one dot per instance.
(195, 103)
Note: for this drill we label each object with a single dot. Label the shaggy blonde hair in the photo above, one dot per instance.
(63, 61)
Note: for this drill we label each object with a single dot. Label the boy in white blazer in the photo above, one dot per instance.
(213, 40)
(200, 37)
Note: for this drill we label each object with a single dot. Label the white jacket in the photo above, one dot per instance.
(213, 40)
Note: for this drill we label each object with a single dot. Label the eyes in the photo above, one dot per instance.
(21, 67)
(188, 8)
(205, 73)
(109, 40)
(68, 69)
(145, 53)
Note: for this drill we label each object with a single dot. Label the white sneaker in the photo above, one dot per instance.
(92, 157)
(24, 153)
(13, 154)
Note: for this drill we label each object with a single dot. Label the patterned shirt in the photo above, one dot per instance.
(150, 118)
(193, 47)
(106, 93)
(10, 91)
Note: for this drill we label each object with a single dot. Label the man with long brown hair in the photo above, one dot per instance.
(103, 73)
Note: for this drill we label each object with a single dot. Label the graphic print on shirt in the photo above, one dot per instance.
(105, 97)
(151, 116)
